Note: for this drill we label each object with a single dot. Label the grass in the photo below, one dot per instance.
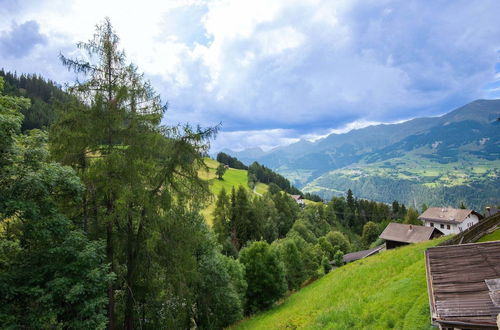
(494, 236)
(232, 178)
(385, 291)
(261, 188)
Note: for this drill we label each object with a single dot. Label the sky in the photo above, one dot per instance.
(276, 71)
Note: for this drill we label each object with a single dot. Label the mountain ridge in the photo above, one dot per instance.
(464, 138)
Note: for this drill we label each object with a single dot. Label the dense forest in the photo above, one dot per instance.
(100, 223)
(230, 161)
(44, 97)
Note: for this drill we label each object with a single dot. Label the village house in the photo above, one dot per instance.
(463, 282)
(398, 234)
(299, 199)
(448, 220)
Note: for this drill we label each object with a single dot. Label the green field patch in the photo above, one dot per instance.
(494, 236)
(261, 188)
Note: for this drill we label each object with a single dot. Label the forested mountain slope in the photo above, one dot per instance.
(442, 160)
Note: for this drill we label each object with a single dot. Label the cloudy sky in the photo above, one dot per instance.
(274, 71)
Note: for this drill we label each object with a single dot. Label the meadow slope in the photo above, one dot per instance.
(386, 291)
(232, 178)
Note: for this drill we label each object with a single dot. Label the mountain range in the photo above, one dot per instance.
(441, 161)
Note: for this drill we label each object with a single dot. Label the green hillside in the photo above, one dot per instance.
(381, 292)
(232, 178)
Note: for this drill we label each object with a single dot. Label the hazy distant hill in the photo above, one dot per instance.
(438, 160)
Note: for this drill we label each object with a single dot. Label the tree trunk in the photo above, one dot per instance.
(129, 298)
(109, 254)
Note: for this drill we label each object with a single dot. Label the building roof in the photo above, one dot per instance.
(297, 197)
(362, 254)
(459, 293)
(446, 214)
(491, 211)
(407, 233)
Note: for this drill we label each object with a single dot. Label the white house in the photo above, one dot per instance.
(448, 220)
(299, 199)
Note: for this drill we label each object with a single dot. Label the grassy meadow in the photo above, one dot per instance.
(494, 236)
(232, 178)
(386, 291)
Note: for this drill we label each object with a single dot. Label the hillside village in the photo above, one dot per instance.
(438, 223)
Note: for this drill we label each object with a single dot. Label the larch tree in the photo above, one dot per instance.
(138, 174)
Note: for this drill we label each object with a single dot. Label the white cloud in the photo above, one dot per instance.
(285, 69)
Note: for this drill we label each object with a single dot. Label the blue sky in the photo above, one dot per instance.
(276, 71)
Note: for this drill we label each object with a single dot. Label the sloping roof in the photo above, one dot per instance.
(491, 211)
(297, 197)
(458, 293)
(361, 254)
(446, 214)
(406, 233)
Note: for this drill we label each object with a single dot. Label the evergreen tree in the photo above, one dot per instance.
(370, 233)
(350, 200)
(411, 217)
(136, 171)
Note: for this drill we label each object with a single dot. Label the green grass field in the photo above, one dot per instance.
(386, 291)
(232, 178)
(494, 236)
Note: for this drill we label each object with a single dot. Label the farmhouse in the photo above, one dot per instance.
(448, 220)
(299, 199)
(463, 282)
(398, 234)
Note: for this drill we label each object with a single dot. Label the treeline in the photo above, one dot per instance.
(283, 247)
(230, 161)
(260, 173)
(280, 246)
(476, 194)
(43, 94)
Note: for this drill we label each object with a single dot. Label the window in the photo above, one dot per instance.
(442, 226)
(432, 224)
(460, 228)
(447, 226)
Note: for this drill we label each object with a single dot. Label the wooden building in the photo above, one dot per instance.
(350, 257)
(463, 282)
(398, 234)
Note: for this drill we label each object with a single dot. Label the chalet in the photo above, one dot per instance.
(350, 257)
(448, 220)
(463, 282)
(398, 234)
(299, 199)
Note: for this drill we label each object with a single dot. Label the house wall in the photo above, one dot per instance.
(471, 220)
(443, 227)
(393, 244)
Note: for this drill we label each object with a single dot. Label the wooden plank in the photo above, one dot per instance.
(456, 281)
